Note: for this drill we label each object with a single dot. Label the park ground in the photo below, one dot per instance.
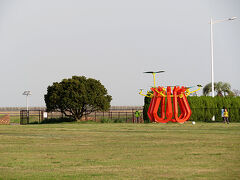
(120, 151)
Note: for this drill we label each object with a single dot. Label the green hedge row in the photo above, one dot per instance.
(205, 107)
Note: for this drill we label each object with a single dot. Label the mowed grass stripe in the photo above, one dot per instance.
(120, 151)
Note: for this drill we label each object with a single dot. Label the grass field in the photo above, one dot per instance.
(120, 151)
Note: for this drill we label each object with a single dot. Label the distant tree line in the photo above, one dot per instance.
(20, 108)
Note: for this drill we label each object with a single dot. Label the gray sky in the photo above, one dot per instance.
(44, 41)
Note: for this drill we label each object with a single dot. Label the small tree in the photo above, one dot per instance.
(78, 95)
(222, 88)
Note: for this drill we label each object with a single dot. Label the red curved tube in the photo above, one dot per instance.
(175, 101)
(184, 106)
(169, 112)
(159, 99)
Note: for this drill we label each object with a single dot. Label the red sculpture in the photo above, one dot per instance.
(174, 100)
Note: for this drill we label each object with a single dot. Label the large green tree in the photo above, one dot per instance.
(221, 88)
(76, 96)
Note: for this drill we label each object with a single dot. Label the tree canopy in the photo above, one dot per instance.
(76, 96)
(222, 89)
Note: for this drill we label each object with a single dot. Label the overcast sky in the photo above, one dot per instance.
(114, 41)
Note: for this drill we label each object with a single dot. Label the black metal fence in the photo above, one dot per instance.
(127, 115)
(31, 116)
(114, 116)
(122, 115)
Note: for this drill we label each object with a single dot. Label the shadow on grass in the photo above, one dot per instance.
(71, 120)
(54, 121)
(62, 120)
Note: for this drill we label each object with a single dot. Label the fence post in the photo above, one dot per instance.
(39, 116)
(20, 116)
(95, 117)
(27, 116)
(133, 117)
(42, 115)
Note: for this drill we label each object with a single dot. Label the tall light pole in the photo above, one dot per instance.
(27, 93)
(211, 28)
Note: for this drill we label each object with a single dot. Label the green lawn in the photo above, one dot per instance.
(120, 151)
(16, 119)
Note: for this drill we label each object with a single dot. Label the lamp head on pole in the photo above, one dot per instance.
(232, 18)
(27, 93)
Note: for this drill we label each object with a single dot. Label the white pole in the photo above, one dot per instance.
(211, 26)
(27, 101)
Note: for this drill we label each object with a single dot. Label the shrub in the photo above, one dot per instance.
(57, 120)
(119, 120)
(106, 120)
(147, 101)
(205, 107)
